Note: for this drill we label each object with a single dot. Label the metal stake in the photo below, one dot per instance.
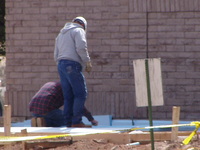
(149, 103)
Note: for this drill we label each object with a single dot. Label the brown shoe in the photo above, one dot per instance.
(81, 125)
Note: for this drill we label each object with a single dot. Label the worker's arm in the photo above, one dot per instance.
(89, 116)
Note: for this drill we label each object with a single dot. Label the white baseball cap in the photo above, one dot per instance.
(81, 20)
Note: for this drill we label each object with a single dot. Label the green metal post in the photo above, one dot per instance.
(149, 103)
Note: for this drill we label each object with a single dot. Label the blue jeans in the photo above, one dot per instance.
(54, 118)
(74, 90)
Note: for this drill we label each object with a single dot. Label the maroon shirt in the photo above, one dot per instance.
(50, 97)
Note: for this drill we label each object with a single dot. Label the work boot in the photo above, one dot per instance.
(81, 125)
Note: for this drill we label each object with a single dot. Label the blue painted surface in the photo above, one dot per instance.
(106, 121)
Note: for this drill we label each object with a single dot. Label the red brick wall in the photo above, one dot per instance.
(117, 34)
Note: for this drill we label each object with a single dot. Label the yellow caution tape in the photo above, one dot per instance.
(26, 138)
(162, 126)
(189, 138)
(186, 141)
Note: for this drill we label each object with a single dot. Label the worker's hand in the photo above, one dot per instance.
(94, 122)
(88, 67)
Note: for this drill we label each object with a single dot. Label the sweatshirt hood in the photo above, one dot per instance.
(69, 26)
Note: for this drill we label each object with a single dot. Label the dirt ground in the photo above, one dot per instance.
(100, 144)
(92, 145)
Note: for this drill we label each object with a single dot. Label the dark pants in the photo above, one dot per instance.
(54, 118)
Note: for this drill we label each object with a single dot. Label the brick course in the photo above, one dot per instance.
(117, 34)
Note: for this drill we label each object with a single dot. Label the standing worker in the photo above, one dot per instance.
(71, 55)
(46, 104)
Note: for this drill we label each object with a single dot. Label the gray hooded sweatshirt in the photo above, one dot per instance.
(71, 44)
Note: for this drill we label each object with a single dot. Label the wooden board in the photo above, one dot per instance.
(117, 138)
(155, 82)
(140, 82)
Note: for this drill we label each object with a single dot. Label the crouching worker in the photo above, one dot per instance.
(46, 104)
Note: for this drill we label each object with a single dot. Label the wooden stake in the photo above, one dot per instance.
(40, 122)
(23, 145)
(24, 132)
(7, 119)
(175, 120)
(7, 124)
(33, 122)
